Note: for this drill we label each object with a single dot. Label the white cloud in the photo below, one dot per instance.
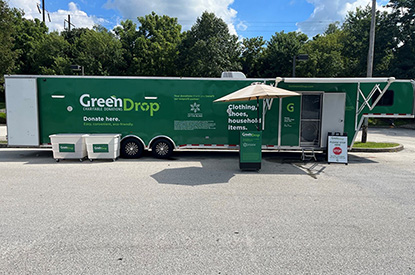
(241, 26)
(330, 11)
(186, 11)
(28, 6)
(78, 17)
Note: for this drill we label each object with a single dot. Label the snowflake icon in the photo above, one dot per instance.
(194, 107)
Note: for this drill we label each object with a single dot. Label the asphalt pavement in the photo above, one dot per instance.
(197, 213)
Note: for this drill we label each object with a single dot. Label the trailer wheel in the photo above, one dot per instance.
(131, 148)
(162, 148)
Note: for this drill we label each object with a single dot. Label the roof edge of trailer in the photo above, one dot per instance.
(341, 80)
(137, 77)
(277, 79)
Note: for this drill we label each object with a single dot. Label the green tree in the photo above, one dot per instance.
(7, 56)
(28, 35)
(208, 48)
(157, 45)
(403, 16)
(127, 34)
(356, 42)
(98, 51)
(278, 56)
(51, 56)
(153, 48)
(325, 54)
(252, 56)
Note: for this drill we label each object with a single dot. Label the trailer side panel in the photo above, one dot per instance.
(181, 109)
(22, 112)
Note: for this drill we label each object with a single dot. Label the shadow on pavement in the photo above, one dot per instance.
(27, 155)
(221, 167)
(218, 167)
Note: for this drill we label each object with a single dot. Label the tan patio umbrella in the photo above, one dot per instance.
(257, 91)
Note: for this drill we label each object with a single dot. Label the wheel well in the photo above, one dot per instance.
(161, 137)
(135, 137)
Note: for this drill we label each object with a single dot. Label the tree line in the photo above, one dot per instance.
(157, 46)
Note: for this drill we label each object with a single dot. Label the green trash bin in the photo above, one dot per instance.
(250, 150)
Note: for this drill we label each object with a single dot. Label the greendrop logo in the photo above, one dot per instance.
(195, 107)
(290, 107)
(250, 135)
(248, 145)
(195, 110)
(113, 103)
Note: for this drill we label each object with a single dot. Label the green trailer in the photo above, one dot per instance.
(165, 114)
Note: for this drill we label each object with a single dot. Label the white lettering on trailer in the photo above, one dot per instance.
(240, 116)
(242, 107)
(86, 118)
(81, 100)
(98, 118)
(86, 101)
(113, 103)
(237, 128)
(242, 121)
(101, 102)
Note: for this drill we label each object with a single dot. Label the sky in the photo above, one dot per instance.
(245, 18)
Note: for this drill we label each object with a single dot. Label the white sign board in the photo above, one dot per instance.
(337, 149)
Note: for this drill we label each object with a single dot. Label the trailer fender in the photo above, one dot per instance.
(136, 137)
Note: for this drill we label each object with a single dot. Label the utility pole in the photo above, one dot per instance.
(300, 57)
(43, 10)
(370, 58)
(69, 23)
(371, 41)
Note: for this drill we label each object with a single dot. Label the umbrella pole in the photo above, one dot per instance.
(257, 107)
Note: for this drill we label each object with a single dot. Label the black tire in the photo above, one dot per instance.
(131, 148)
(162, 148)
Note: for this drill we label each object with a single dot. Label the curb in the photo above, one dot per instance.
(353, 150)
(378, 150)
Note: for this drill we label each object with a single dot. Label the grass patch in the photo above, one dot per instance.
(3, 142)
(375, 145)
(2, 118)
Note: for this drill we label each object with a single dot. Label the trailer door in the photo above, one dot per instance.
(310, 119)
(333, 115)
(22, 111)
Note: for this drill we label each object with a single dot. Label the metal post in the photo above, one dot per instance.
(294, 59)
(279, 122)
(300, 57)
(257, 107)
(69, 22)
(43, 10)
(370, 58)
(371, 41)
